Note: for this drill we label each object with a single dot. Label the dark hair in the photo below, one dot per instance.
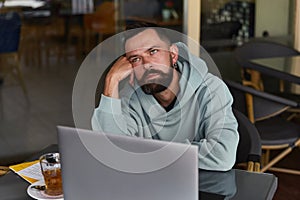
(133, 28)
(139, 24)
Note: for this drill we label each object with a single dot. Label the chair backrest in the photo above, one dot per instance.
(263, 105)
(249, 147)
(10, 28)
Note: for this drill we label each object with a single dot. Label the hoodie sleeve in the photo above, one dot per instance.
(217, 137)
(109, 117)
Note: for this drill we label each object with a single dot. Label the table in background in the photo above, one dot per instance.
(234, 184)
(286, 68)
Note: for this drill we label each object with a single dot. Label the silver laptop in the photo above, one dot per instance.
(96, 165)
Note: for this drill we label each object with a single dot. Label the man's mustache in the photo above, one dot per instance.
(152, 71)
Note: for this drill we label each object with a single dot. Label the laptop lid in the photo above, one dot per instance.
(96, 165)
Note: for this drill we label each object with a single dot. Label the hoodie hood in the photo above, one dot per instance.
(193, 71)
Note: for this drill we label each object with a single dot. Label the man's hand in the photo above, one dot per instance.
(119, 71)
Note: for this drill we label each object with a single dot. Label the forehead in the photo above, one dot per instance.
(145, 39)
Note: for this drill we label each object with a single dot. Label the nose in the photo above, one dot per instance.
(147, 63)
(147, 66)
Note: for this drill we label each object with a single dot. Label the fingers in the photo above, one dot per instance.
(121, 69)
(126, 68)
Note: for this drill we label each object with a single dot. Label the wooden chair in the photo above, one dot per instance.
(264, 109)
(101, 23)
(10, 28)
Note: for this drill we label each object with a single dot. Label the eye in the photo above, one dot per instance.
(134, 60)
(153, 51)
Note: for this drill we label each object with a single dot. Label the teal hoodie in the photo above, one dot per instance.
(202, 114)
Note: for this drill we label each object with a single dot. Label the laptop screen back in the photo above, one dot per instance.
(111, 167)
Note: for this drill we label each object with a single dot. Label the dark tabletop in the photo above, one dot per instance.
(233, 184)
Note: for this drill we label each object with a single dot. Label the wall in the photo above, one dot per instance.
(273, 16)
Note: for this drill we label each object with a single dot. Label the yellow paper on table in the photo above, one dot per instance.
(30, 171)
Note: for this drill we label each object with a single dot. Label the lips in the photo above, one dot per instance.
(152, 75)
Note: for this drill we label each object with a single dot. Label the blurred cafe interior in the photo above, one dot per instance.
(39, 63)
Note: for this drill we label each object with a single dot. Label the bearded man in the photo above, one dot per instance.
(167, 97)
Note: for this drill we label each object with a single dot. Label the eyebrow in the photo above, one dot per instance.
(150, 48)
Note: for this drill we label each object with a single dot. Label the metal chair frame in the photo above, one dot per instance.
(259, 107)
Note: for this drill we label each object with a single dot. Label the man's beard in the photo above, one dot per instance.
(156, 85)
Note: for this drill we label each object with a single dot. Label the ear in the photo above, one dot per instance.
(174, 53)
